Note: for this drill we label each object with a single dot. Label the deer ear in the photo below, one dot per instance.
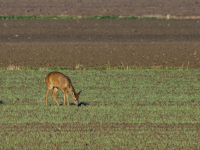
(79, 93)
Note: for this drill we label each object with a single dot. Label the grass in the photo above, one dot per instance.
(81, 67)
(6, 17)
(37, 17)
(138, 108)
(80, 17)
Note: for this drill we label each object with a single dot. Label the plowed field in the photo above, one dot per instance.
(100, 7)
(93, 43)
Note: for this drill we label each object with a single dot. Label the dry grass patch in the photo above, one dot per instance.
(13, 67)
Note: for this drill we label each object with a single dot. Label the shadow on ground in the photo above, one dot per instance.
(83, 103)
(80, 104)
(1, 102)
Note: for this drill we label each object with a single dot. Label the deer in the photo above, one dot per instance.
(57, 80)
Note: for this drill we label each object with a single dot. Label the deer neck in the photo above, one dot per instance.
(73, 92)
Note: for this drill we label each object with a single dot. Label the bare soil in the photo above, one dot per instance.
(93, 43)
(100, 7)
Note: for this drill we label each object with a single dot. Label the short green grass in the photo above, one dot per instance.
(6, 17)
(122, 97)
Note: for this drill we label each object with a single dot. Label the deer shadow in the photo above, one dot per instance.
(83, 103)
(1, 102)
(80, 104)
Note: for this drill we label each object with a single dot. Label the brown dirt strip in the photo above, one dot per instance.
(100, 7)
(93, 43)
(95, 126)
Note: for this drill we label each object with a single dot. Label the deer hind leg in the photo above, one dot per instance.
(54, 95)
(47, 93)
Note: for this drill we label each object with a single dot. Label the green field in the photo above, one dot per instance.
(24, 17)
(127, 109)
(78, 17)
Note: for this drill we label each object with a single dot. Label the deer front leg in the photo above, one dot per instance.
(64, 99)
(66, 94)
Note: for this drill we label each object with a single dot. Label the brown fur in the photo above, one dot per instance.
(57, 80)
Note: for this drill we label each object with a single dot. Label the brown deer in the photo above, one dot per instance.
(57, 80)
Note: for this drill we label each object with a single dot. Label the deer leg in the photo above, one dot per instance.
(47, 93)
(66, 94)
(64, 99)
(53, 95)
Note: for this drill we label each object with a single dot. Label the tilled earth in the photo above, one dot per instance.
(101, 7)
(93, 43)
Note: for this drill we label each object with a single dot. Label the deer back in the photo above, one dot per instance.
(59, 80)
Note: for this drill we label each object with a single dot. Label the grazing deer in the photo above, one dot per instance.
(57, 80)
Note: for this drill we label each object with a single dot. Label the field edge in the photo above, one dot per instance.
(24, 17)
